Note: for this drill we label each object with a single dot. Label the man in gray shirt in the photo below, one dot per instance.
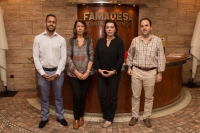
(49, 53)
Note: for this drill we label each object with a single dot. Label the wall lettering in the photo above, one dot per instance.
(97, 18)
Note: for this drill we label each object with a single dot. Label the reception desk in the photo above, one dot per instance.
(166, 92)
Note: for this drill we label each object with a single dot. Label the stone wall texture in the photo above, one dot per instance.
(24, 19)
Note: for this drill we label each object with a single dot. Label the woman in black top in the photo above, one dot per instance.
(108, 59)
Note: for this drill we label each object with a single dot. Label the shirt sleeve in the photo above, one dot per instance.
(96, 56)
(62, 62)
(161, 57)
(131, 53)
(36, 56)
(70, 62)
(120, 61)
(91, 51)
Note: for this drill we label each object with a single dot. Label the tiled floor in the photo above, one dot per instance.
(22, 114)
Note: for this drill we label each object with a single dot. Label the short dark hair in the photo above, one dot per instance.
(85, 30)
(115, 24)
(147, 20)
(52, 15)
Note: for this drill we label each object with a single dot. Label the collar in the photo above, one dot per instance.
(54, 34)
(152, 36)
(105, 39)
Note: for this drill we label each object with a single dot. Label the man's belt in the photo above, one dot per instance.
(145, 69)
(50, 69)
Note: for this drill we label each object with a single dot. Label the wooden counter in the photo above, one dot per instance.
(166, 92)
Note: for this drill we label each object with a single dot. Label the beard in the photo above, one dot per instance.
(50, 30)
(145, 32)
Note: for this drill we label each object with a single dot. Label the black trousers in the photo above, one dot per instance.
(105, 84)
(79, 90)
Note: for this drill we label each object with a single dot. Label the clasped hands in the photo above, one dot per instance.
(81, 76)
(106, 73)
(50, 77)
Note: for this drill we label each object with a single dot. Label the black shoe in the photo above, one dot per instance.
(43, 123)
(62, 122)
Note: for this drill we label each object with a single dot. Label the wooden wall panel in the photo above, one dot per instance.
(127, 29)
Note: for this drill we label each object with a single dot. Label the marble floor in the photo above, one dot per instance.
(21, 113)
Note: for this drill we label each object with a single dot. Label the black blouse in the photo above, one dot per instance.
(111, 57)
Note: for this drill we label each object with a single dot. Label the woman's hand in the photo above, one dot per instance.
(85, 75)
(106, 73)
(78, 74)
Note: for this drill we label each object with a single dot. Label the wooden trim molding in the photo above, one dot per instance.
(73, 3)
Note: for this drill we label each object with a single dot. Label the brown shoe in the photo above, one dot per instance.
(133, 121)
(81, 121)
(76, 124)
(147, 122)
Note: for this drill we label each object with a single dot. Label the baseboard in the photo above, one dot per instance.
(8, 93)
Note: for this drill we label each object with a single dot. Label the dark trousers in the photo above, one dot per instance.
(108, 106)
(79, 90)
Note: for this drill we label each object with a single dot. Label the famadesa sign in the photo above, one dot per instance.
(98, 18)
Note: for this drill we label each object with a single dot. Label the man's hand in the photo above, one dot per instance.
(46, 76)
(158, 77)
(129, 72)
(53, 76)
(50, 78)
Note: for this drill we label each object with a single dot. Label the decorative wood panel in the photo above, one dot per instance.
(166, 92)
